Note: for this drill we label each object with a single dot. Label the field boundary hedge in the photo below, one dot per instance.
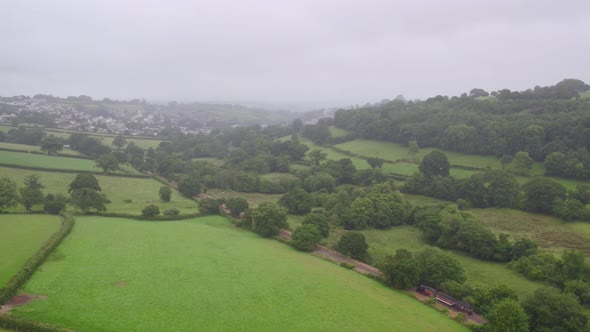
(25, 324)
(154, 218)
(36, 260)
(61, 170)
(44, 154)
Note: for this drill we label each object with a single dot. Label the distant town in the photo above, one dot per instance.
(137, 117)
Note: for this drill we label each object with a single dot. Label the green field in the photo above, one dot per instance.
(54, 162)
(479, 273)
(392, 151)
(117, 189)
(212, 161)
(20, 237)
(551, 233)
(278, 177)
(206, 275)
(34, 148)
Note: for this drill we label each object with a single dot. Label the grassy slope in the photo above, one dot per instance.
(479, 273)
(338, 132)
(209, 276)
(253, 198)
(54, 162)
(20, 237)
(117, 189)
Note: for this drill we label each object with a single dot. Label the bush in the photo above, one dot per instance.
(171, 212)
(165, 193)
(353, 244)
(209, 206)
(306, 237)
(54, 204)
(150, 211)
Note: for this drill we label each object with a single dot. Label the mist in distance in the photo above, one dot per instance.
(306, 53)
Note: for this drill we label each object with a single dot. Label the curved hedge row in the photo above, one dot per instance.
(154, 218)
(36, 260)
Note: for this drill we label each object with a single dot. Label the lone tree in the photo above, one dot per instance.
(150, 211)
(108, 162)
(52, 145)
(435, 163)
(413, 149)
(375, 162)
(539, 194)
(31, 193)
(8, 193)
(86, 199)
(236, 205)
(119, 141)
(319, 220)
(507, 315)
(437, 267)
(401, 270)
(84, 180)
(165, 193)
(353, 244)
(306, 237)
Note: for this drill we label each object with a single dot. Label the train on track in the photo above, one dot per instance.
(445, 299)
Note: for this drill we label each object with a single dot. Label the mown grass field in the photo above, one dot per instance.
(210, 276)
(54, 162)
(117, 189)
(278, 177)
(20, 237)
(479, 273)
(338, 132)
(34, 148)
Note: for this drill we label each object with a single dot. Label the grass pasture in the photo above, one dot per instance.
(117, 189)
(479, 273)
(54, 162)
(210, 276)
(254, 199)
(20, 237)
(338, 132)
(392, 151)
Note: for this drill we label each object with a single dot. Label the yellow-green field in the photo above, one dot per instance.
(34, 148)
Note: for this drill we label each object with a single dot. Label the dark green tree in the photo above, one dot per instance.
(550, 310)
(353, 244)
(150, 211)
(86, 198)
(320, 220)
(189, 185)
(8, 193)
(297, 201)
(507, 316)
(435, 163)
(268, 219)
(316, 156)
(306, 237)
(108, 162)
(165, 193)
(209, 205)
(54, 203)
(31, 194)
(437, 267)
(52, 145)
(84, 180)
(237, 205)
(401, 270)
(539, 194)
(375, 162)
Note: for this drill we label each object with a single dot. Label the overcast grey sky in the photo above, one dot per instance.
(313, 52)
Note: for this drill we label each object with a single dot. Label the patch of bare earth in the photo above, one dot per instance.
(121, 283)
(20, 300)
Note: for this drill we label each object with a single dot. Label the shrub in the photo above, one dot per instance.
(354, 245)
(150, 211)
(306, 237)
(171, 212)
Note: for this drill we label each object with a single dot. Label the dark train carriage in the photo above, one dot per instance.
(445, 299)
